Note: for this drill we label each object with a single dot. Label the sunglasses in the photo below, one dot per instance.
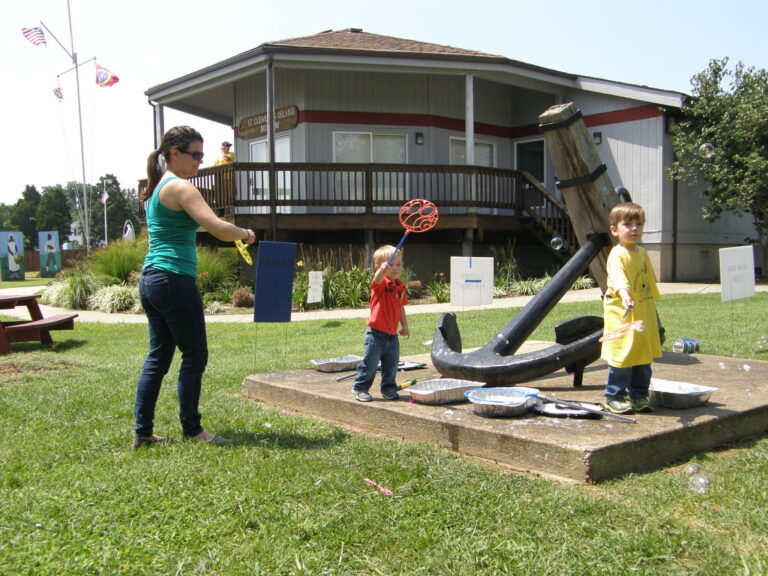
(196, 156)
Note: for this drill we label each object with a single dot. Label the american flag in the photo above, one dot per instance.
(35, 35)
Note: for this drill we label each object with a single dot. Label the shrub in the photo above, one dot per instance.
(74, 289)
(216, 270)
(117, 298)
(439, 289)
(119, 260)
(242, 297)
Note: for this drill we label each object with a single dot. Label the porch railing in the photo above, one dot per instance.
(323, 188)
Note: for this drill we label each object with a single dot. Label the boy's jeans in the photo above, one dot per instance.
(378, 346)
(635, 380)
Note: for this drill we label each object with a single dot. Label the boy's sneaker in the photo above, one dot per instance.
(362, 395)
(617, 405)
(390, 395)
(641, 405)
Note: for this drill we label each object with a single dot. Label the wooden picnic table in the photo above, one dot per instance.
(37, 328)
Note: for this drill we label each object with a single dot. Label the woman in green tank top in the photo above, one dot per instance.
(175, 210)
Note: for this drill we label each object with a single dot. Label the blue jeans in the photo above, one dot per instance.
(175, 315)
(635, 380)
(379, 346)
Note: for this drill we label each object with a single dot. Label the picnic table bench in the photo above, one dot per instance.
(36, 328)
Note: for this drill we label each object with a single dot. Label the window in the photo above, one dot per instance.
(485, 153)
(368, 148)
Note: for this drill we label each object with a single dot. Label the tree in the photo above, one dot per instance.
(121, 206)
(24, 215)
(722, 144)
(55, 211)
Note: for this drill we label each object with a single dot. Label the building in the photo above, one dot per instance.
(363, 122)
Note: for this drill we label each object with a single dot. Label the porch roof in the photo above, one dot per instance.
(209, 92)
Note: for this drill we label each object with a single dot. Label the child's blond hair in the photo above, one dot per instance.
(627, 212)
(383, 254)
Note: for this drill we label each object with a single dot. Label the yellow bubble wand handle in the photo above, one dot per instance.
(243, 249)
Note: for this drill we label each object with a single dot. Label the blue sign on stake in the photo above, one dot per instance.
(274, 282)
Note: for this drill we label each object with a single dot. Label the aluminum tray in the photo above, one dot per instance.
(441, 390)
(339, 364)
(502, 402)
(670, 394)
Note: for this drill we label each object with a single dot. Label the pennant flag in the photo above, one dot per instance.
(104, 77)
(59, 93)
(104, 196)
(35, 35)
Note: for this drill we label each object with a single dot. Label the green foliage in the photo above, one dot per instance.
(54, 212)
(439, 289)
(120, 260)
(287, 496)
(74, 288)
(115, 298)
(729, 111)
(217, 271)
(347, 289)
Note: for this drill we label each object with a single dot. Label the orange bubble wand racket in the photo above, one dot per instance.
(417, 215)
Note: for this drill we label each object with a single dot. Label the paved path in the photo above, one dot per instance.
(591, 295)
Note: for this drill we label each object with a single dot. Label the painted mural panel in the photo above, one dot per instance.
(50, 256)
(11, 256)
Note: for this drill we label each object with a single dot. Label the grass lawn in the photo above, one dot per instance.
(287, 496)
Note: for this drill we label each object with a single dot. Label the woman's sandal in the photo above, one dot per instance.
(140, 441)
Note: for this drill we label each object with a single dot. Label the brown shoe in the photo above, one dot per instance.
(140, 441)
(209, 438)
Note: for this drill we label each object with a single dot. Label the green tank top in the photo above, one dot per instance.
(171, 237)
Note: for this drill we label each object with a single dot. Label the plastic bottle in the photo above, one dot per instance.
(678, 345)
(699, 483)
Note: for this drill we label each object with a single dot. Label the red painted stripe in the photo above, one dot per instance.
(457, 125)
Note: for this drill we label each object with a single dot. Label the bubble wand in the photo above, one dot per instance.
(243, 249)
(417, 215)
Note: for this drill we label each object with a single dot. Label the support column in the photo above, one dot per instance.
(468, 244)
(370, 247)
(469, 118)
(158, 111)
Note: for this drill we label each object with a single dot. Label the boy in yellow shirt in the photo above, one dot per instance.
(630, 296)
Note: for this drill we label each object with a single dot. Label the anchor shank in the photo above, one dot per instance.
(525, 323)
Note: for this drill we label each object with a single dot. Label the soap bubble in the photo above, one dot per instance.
(707, 151)
(556, 243)
(698, 483)
(692, 468)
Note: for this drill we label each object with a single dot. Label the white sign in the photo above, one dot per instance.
(471, 281)
(737, 273)
(315, 291)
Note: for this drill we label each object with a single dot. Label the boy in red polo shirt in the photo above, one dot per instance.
(388, 300)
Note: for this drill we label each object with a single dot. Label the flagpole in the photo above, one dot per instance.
(85, 217)
(80, 121)
(104, 198)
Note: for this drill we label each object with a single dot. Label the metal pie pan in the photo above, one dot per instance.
(678, 395)
(441, 390)
(339, 364)
(502, 402)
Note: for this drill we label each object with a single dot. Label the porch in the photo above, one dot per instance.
(288, 201)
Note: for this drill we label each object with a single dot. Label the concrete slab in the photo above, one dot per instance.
(571, 450)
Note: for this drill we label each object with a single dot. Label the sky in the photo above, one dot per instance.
(661, 44)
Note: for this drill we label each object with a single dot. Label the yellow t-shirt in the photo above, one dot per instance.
(631, 270)
(229, 158)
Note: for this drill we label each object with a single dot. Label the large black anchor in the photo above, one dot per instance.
(496, 363)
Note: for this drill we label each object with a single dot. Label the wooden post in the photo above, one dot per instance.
(581, 177)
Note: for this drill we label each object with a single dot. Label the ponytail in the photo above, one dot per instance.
(179, 137)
